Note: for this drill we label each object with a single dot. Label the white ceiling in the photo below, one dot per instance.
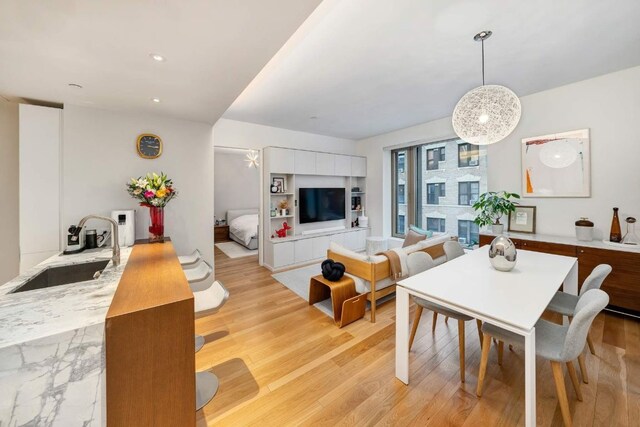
(367, 67)
(214, 48)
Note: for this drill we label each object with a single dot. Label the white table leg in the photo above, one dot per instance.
(402, 334)
(530, 378)
(571, 282)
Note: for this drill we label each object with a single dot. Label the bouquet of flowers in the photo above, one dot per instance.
(152, 190)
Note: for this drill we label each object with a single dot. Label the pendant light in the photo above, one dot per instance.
(486, 114)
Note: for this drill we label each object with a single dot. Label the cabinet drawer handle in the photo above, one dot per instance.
(581, 251)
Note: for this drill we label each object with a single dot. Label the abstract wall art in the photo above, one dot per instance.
(557, 165)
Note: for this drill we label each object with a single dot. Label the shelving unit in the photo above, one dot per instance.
(275, 222)
(357, 197)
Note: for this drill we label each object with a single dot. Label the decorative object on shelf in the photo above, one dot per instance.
(522, 219)
(355, 189)
(584, 230)
(486, 114)
(363, 221)
(252, 159)
(492, 206)
(284, 206)
(153, 191)
(616, 234)
(274, 212)
(279, 184)
(149, 146)
(502, 254)
(274, 188)
(331, 270)
(283, 231)
(631, 238)
(557, 165)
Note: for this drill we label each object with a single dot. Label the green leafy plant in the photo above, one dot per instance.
(492, 206)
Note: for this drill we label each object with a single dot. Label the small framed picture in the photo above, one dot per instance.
(279, 183)
(523, 219)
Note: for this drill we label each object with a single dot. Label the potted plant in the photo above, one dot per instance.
(283, 205)
(492, 206)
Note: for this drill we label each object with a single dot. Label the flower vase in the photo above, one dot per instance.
(156, 225)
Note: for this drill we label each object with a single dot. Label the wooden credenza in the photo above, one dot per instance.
(622, 285)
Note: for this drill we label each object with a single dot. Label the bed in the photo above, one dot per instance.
(243, 227)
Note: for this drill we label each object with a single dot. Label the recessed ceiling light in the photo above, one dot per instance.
(157, 57)
(75, 85)
(156, 100)
(313, 117)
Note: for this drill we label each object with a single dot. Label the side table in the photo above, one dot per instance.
(348, 306)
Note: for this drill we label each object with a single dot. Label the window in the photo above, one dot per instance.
(436, 224)
(434, 156)
(401, 161)
(468, 232)
(468, 155)
(434, 192)
(468, 193)
(401, 188)
(401, 194)
(401, 226)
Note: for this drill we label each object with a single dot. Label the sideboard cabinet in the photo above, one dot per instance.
(622, 285)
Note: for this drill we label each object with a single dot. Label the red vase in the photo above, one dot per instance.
(156, 227)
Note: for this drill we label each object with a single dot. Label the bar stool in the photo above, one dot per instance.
(199, 273)
(207, 302)
(187, 260)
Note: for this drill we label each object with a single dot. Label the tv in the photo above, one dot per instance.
(321, 204)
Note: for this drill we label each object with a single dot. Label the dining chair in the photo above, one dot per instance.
(452, 249)
(207, 302)
(557, 343)
(565, 304)
(418, 262)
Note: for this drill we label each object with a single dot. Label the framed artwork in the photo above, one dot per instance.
(523, 219)
(279, 183)
(557, 165)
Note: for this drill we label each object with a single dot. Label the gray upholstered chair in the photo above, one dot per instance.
(207, 302)
(452, 249)
(193, 258)
(418, 262)
(556, 343)
(565, 304)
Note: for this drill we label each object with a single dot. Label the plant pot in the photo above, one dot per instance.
(283, 212)
(156, 224)
(497, 228)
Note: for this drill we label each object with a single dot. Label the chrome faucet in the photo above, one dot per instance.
(114, 235)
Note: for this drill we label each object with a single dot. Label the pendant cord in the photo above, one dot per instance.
(482, 41)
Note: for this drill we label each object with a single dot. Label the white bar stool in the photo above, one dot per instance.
(207, 302)
(199, 273)
(187, 260)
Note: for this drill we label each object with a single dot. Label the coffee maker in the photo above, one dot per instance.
(126, 220)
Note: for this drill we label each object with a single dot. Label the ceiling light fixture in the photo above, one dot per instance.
(156, 100)
(157, 57)
(252, 159)
(486, 114)
(75, 85)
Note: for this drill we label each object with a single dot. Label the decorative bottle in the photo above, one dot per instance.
(616, 234)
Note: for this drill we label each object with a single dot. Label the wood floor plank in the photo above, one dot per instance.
(282, 362)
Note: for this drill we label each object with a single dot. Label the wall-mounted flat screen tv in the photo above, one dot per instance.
(321, 204)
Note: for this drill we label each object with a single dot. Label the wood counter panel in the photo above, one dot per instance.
(150, 344)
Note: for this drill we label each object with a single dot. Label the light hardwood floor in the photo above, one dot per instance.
(282, 362)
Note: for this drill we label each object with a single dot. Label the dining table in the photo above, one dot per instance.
(513, 300)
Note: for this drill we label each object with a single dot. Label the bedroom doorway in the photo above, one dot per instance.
(236, 205)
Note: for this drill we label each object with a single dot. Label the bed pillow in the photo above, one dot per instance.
(418, 230)
(412, 238)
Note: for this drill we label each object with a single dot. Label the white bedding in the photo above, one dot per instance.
(244, 227)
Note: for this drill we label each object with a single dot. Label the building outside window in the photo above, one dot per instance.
(436, 224)
(468, 232)
(434, 157)
(468, 193)
(433, 188)
(468, 155)
(434, 192)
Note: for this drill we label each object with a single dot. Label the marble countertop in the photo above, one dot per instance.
(30, 315)
(568, 240)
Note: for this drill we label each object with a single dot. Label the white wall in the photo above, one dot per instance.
(608, 105)
(232, 133)
(236, 185)
(99, 157)
(9, 210)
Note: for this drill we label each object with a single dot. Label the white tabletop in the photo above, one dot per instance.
(517, 298)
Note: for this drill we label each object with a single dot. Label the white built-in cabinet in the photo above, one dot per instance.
(298, 248)
(39, 183)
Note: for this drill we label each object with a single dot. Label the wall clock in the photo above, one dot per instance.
(149, 146)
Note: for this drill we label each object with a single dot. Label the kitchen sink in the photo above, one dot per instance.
(56, 276)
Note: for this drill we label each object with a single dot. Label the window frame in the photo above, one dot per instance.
(442, 191)
(471, 149)
(409, 172)
(469, 193)
(442, 224)
(470, 234)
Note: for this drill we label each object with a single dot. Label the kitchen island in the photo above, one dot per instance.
(53, 347)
